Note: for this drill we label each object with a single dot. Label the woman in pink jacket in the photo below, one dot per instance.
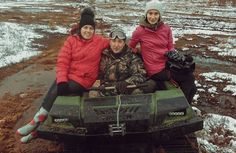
(76, 70)
(155, 39)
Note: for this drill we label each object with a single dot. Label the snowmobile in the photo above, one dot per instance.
(151, 117)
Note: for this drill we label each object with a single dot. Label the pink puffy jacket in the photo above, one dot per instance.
(154, 44)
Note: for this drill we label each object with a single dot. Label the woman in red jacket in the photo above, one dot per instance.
(155, 39)
(76, 70)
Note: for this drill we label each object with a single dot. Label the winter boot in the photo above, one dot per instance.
(40, 116)
(29, 137)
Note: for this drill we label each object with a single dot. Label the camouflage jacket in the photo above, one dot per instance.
(124, 66)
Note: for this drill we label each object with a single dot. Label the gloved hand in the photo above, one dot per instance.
(173, 55)
(102, 87)
(121, 87)
(189, 66)
(188, 58)
(62, 88)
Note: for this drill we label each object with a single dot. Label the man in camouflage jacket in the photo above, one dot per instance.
(119, 67)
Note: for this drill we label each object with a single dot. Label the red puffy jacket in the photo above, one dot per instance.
(79, 60)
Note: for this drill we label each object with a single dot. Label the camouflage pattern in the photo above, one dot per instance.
(124, 66)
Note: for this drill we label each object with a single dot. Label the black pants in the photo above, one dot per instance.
(74, 87)
(185, 81)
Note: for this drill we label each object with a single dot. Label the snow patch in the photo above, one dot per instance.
(17, 41)
(230, 79)
(218, 134)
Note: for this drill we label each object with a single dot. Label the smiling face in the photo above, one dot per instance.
(153, 16)
(117, 45)
(87, 31)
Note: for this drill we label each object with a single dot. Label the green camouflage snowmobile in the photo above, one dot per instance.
(124, 118)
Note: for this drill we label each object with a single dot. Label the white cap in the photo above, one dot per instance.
(154, 5)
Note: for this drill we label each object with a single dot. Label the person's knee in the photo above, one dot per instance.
(150, 86)
(164, 75)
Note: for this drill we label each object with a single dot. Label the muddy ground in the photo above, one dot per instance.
(23, 85)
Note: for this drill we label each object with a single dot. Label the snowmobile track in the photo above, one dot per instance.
(184, 144)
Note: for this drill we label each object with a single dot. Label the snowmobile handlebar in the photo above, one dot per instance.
(114, 87)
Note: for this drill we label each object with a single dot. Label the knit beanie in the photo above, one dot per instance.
(154, 5)
(87, 18)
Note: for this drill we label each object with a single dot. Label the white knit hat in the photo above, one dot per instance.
(154, 5)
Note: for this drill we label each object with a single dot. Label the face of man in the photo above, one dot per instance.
(153, 16)
(117, 45)
(87, 31)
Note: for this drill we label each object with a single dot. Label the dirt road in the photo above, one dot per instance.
(23, 85)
